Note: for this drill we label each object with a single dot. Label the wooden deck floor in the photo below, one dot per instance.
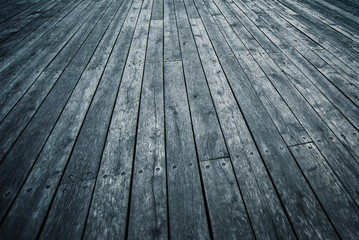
(181, 119)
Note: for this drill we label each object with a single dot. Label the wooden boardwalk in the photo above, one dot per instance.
(180, 119)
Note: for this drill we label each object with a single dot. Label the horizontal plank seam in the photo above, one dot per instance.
(299, 144)
(214, 159)
(78, 181)
(172, 61)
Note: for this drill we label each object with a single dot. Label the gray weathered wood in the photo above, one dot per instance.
(261, 200)
(285, 121)
(308, 223)
(343, 104)
(316, 30)
(87, 153)
(341, 208)
(16, 84)
(208, 135)
(42, 15)
(110, 112)
(56, 151)
(185, 200)
(68, 213)
(8, 28)
(33, 99)
(83, 165)
(46, 31)
(228, 215)
(148, 206)
(171, 48)
(32, 140)
(109, 207)
(334, 119)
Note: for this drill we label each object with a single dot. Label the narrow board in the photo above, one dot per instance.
(186, 203)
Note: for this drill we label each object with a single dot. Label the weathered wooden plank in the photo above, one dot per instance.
(210, 26)
(52, 159)
(289, 127)
(327, 13)
(91, 139)
(209, 139)
(86, 153)
(314, 125)
(348, 5)
(346, 8)
(253, 31)
(335, 118)
(267, 216)
(316, 28)
(71, 201)
(333, 196)
(348, 88)
(15, 61)
(15, 37)
(228, 215)
(289, 185)
(10, 27)
(109, 207)
(257, 101)
(325, 109)
(190, 9)
(148, 202)
(278, 9)
(11, 124)
(23, 155)
(20, 74)
(256, 22)
(12, 10)
(5, 5)
(303, 66)
(185, 200)
(157, 10)
(283, 27)
(171, 48)
(243, 150)
(27, 16)
(340, 67)
(332, 149)
(252, 196)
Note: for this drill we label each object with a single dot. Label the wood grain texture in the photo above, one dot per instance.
(32, 140)
(42, 15)
(264, 208)
(327, 186)
(179, 119)
(109, 207)
(28, 51)
(68, 213)
(282, 116)
(209, 139)
(148, 206)
(172, 50)
(310, 222)
(59, 144)
(83, 164)
(86, 156)
(33, 99)
(185, 199)
(17, 82)
(228, 215)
